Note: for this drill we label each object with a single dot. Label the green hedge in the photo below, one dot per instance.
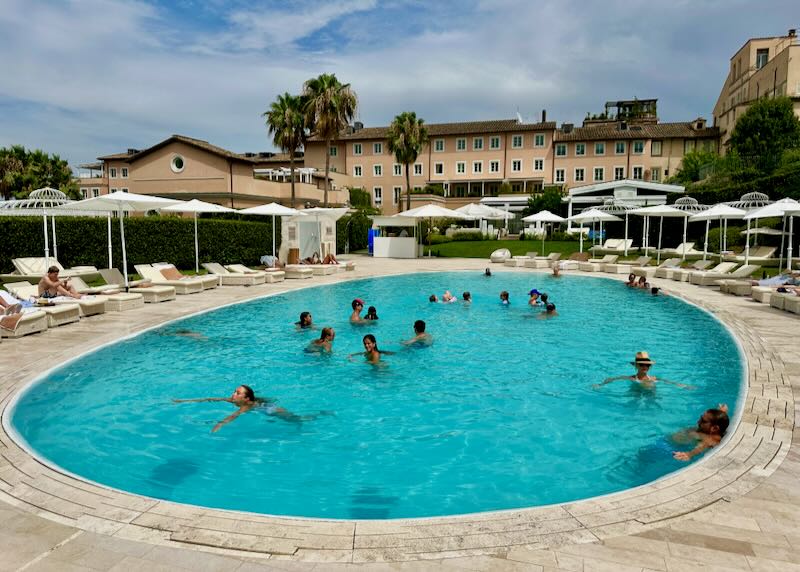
(84, 240)
(352, 229)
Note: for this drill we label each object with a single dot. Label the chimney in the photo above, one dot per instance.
(358, 126)
(132, 151)
(567, 127)
(623, 125)
(792, 32)
(544, 115)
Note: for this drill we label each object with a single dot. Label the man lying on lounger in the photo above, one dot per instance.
(50, 286)
(10, 315)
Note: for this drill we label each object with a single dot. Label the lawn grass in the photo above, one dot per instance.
(483, 248)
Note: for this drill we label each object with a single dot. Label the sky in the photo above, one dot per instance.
(85, 78)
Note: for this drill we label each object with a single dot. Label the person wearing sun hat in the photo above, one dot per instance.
(534, 298)
(642, 363)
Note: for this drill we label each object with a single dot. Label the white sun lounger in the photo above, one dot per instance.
(298, 271)
(151, 293)
(720, 270)
(597, 264)
(228, 278)
(543, 261)
(33, 321)
(270, 275)
(663, 270)
(87, 306)
(209, 282)
(712, 279)
(185, 286)
(626, 267)
(682, 274)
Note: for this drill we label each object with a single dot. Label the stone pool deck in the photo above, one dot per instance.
(738, 509)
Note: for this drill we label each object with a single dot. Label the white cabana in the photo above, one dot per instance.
(591, 216)
(784, 208)
(311, 230)
(618, 209)
(660, 211)
(273, 210)
(387, 246)
(721, 212)
(121, 202)
(195, 206)
(544, 217)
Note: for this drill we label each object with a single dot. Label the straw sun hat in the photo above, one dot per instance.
(642, 358)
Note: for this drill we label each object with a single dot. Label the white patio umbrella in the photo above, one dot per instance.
(122, 202)
(782, 208)
(619, 209)
(543, 217)
(591, 216)
(660, 211)
(273, 210)
(195, 206)
(791, 213)
(432, 211)
(721, 212)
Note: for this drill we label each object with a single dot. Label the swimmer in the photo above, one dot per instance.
(245, 399)
(643, 363)
(421, 337)
(324, 343)
(466, 297)
(372, 313)
(448, 298)
(432, 298)
(305, 322)
(534, 298)
(631, 283)
(642, 283)
(655, 291)
(711, 428)
(556, 270)
(544, 298)
(549, 312)
(355, 317)
(184, 333)
(487, 272)
(504, 298)
(371, 351)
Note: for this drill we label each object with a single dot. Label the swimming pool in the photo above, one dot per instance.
(499, 413)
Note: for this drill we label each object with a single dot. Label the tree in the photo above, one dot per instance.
(406, 137)
(22, 171)
(286, 122)
(329, 107)
(693, 165)
(765, 131)
(548, 200)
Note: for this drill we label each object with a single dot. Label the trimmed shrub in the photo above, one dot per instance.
(438, 239)
(469, 236)
(84, 240)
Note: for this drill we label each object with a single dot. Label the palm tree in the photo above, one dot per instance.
(285, 120)
(329, 107)
(10, 168)
(406, 137)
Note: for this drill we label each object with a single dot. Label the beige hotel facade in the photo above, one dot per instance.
(469, 161)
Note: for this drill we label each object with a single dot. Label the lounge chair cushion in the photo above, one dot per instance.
(171, 273)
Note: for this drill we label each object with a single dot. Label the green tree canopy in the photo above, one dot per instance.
(693, 166)
(329, 107)
(286, 122)
(23, 171)
(406, 137)
(548, 200)
(765, 131)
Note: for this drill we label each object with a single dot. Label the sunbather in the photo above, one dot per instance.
(245, 399)
(643, 379)
(330, 259)
(50, 286)
(9, 308)
(9, 321)
(711, 428)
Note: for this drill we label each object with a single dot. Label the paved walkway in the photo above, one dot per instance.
(735, 510)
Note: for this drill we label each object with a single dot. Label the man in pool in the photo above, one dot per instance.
(324, 344)
(711, 428)
(306, 321)
(245, 399)
(421, 337)
(358, 307)
(642, 363)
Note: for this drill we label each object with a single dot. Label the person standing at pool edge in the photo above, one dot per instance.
(642, 363)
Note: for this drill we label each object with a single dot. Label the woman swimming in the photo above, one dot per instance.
(371, 351)
(305, 322)
(324, 343)
(372, 313)
(245, 399)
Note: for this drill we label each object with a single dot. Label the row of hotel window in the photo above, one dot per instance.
(112, 172)
(95, 192)
(516, 167)
(620, 147)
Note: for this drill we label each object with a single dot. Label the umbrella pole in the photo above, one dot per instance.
(685, 225)
(660, 232)
(109, 240)
(581, 237)
(644, 235)
(124, 253)
(789, 250)
(755, 234)
(747, 244)
(626, 233)
(273, 236)
(55, 246)
(705, 244)
(783, 239)
(196, 248)
(46, 242)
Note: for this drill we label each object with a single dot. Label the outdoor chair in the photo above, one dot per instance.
(227, 278)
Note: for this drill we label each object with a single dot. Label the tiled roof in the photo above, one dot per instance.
(647, 131)
(114, 156)
(199, 143)
(463, 128)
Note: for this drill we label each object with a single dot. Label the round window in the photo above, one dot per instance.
(177, 164)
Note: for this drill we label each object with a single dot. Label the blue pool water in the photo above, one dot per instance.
(499, 413)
